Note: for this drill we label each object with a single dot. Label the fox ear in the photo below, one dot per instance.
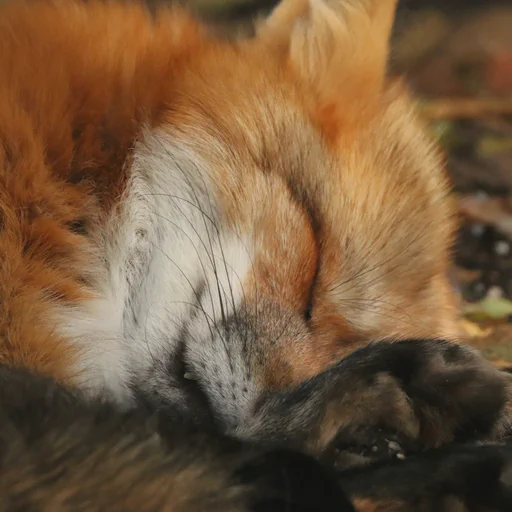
(339, 46)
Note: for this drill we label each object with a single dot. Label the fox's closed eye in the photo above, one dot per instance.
(308, 312)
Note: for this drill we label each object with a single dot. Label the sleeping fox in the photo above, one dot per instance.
(223, 272)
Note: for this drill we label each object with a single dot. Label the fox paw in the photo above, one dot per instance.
(452, 479)
(397, 398)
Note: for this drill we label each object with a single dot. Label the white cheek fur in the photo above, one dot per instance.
(164, 246)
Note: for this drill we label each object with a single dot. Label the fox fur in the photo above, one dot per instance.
(227, 260)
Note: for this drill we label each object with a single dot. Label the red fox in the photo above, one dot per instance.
(223, 272)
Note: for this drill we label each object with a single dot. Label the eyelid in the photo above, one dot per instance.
(308, 310)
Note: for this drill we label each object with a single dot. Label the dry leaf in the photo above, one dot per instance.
(502, 364)
(474, 330)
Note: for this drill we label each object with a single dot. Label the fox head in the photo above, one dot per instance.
(254, 210)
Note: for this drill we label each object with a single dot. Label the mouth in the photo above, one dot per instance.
(193, 402)
(175, 395)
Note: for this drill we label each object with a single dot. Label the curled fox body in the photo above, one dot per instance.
(223, 266)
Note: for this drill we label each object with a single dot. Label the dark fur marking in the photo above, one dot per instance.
(472, 474)
(77, 177)
(76, 133)
(78, 226)
(293, 482)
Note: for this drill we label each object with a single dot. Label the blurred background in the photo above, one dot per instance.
(457, 57)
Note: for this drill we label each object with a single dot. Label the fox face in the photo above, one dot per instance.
(217, 254)
(206, 221)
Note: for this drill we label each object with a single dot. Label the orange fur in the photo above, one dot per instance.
(67, 126)
(322, 150)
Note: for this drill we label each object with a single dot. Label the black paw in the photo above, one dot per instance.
(463, 479)
(396, 398)
(365, 445)
(285, 481)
